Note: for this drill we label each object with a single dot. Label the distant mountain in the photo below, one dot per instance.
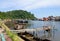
(17, 14)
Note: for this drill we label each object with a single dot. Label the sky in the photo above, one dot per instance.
(40, 8)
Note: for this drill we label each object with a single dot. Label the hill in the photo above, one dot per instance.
(17, 14)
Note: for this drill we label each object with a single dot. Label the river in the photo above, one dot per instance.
(55, 24)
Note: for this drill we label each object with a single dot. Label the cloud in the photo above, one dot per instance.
(28, 4)
(43, 4)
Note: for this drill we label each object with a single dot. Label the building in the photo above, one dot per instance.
(45, 19)
(51, 18)
(20, 24)
(57, 18)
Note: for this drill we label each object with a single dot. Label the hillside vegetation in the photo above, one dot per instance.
(17, 14)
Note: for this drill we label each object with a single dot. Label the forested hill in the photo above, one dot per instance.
(17, 14)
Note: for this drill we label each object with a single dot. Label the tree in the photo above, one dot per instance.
(17, 14)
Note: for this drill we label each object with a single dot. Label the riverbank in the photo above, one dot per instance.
(38, 24)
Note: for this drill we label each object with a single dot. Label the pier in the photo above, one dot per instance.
(45, 28)
(26, 30)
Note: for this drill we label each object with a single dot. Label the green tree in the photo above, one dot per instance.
(17, 14)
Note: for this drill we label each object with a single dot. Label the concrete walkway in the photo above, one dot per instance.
(4, 36)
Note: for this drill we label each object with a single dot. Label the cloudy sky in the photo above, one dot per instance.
(40, 8)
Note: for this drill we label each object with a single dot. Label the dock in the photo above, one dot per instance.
(31, 30)
(26, 30)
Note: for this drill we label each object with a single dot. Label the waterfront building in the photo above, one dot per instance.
(57, 18)
(45, 19)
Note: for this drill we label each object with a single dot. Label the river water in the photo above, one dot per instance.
(55, 35)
